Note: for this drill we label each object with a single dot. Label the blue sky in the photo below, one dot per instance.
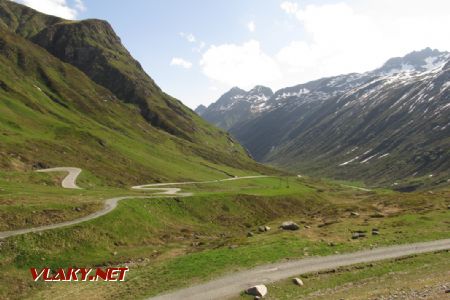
(198, 49)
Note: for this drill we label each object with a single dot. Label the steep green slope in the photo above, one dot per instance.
(94, 48)
(24, 20)
(52, 114)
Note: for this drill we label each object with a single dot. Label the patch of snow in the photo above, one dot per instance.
(367, 159)
(384, 155)
(352, 150)
(347, 162)
(445, 86)
(284, 95)
(367, 152)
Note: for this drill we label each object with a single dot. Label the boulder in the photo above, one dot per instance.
(250, 234)
(257, 291)
(354, 214)
(289, 225)
(263, 228)
(297, 281)
(358, 234)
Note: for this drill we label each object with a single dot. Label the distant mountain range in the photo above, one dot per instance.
(386, 126)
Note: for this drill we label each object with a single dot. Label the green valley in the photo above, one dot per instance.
(144, 182)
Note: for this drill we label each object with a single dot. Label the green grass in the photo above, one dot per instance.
(171, 243)
(372, 280)
(52, 114)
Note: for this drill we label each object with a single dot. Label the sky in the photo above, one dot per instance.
(196, 50)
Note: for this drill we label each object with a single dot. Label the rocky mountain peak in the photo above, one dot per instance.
(261, 90)
(200, 109)
(416, 61)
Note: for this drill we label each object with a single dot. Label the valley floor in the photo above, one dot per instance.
(177, 242)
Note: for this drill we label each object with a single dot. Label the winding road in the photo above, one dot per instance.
(231, 285)
(69, 182)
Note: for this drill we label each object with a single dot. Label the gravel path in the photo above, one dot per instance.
(69, 182)
(231, 285)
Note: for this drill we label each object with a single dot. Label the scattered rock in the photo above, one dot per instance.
(298, 281)
(263, 228)
(307, 226)
(257, 290)
(358, 234)
(250, 234)
(289, 225)
(115, 253)
(78, 209)
(354, 214)
(375, 231)
(331, 244)
(233, 246)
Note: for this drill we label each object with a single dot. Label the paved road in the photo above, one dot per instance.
(231, 285)
(69, 182)
(110, 204)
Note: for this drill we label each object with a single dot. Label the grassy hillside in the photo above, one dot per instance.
(93, 47)
(170, 243)
(53, 114)
(424, 276)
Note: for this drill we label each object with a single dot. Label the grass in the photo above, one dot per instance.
(52, 114)
(403, 277)
(170, 243)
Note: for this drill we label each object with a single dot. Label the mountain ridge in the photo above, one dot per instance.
(54, 113)
(310, 127)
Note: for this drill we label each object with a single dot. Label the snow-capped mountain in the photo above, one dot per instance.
(417, 61)
(236, 106)
(388, 124)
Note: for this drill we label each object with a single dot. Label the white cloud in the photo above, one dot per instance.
(251, 26)
(58, 8)
(188, 36)
(200, 46)
(244, 65)
(79, 5)
(177, 61)
(289, 7)
(341, 38)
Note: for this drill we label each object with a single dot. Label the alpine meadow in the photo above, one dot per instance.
(310, 169)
